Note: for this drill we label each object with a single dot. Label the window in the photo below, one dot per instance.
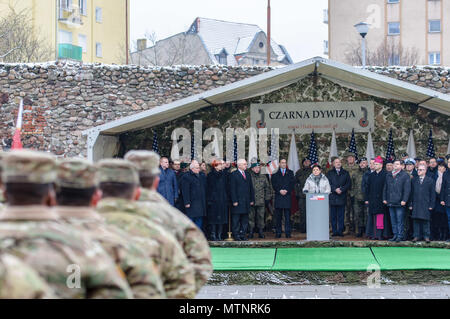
(82, 42)
(98, 50)
(98, 14)
(393, 1)
(65, 37)
(434, 58)
(393, 28)
(83, 7)
(434, 26)
(65, 5)
(394, 59)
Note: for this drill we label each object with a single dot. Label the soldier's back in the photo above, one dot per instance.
(19, 281)
(176, 271)
(189, 236)
(140, 271)
(73, 265)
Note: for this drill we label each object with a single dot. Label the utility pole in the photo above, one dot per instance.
(268, 32)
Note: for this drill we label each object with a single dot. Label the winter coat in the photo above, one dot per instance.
(322, 186)
(168, 186)
(286, 182)
(397, 189)
(193, 189)
(217, 197)
(342, 181)
(241, 192)
(445, 189)
(300, 179)
(423, 197)
(374, 192)
(262, 188)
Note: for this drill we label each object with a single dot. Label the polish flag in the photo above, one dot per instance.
(17, 141)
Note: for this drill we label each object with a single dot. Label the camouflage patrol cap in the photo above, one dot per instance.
(347, 154)
(76, 173)
(147, 162)
(117, 171)
(27, 166)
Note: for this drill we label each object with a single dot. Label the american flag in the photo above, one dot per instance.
(352, 147)
(272, 166)
(430, 148)
(390, 153)
(155, 143)
(312, 154)
(235, 149)
(193, 148)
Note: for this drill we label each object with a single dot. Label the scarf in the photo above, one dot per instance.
(439, 182)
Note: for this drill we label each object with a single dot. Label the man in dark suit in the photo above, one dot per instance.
(193, 189)
(283, 183)
(242, 197)
(340, 183)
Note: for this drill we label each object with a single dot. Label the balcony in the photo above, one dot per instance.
(69, 52)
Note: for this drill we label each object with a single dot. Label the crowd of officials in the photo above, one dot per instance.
(396, 199)
(73, 229)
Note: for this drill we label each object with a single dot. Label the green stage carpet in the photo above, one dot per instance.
(397, 258)
(330, 259)
(243, 258)
(323, 259)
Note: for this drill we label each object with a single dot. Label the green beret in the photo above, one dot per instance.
(76, 173)
(27, 166)
(117, 171)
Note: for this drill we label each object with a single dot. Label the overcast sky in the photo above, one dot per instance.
(296, 24)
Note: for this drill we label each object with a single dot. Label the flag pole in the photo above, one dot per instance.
(230, 238)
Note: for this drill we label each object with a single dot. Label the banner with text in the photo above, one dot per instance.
(322, 117)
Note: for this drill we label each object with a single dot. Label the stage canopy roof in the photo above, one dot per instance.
(351, 77)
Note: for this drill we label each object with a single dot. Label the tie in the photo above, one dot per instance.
(243, 174)
(283, 172)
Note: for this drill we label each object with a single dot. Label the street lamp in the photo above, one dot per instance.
(363, 29)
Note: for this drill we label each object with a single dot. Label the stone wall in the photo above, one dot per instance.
(63, 99)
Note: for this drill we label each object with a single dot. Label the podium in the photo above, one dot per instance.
(317, 217)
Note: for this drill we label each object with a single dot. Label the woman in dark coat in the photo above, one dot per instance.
(217, 200)
(441, 226)
(374, 199)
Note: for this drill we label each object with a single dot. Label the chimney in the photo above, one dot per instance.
(141, 44)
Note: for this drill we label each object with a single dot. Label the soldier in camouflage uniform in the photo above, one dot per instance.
(349, 219)
(159, 211)
(359, 206)
(300, 179)
(263, 192)
(119, 182)
(19, 281)
(77, 194)
(73, 265)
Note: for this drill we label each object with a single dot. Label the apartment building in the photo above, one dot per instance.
(407, 27)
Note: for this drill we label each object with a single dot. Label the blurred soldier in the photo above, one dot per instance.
(359, 206)
(77, 195)
(352, 168)
(2, 199)
(119, 183)
(19, 281)
(188, 235)
(300, 179)
(263, 192)
(71, 263)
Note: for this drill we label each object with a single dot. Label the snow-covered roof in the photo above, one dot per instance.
(234, 37)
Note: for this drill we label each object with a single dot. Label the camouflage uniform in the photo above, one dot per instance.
(349, 219)
(358, 204)
(300, 179)
(59, 253)
(140, 271)
(20, 281)
(160, 212)
(263, 193)
(174, 268)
